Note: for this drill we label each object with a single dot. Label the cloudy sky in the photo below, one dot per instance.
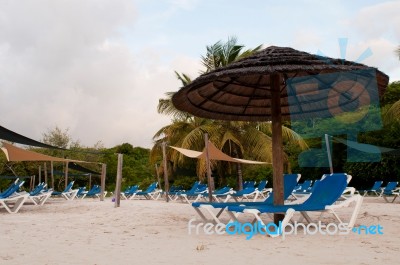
(99, 67)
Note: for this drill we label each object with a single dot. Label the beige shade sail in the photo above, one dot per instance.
(14, 153)
(215, 154)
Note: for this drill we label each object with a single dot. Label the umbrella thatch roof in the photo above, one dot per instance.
(219, 94)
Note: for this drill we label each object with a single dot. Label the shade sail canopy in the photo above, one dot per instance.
(215, 154)
(242, 90)
(14, 153)
(11, 136)
(77, 167)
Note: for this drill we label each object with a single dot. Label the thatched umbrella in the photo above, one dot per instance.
(255, 89)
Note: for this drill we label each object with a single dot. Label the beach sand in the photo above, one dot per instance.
(155, 232)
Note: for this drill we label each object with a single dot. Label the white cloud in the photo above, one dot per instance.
(376, 27)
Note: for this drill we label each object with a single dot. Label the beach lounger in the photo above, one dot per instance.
(249, 184)
(174, 195)
(39, 195)
(81, 191)
(187, 196)
(150, 193)
(11, 200)
(301, 194)
(290, 181)
(93, 192)
(303, 187)
(323, 199)
(129, 191)
(249, 192)
(68, 193)
(222, 192)
(390, 190)
(376, 188)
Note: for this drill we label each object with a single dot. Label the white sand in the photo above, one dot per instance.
(154, 232)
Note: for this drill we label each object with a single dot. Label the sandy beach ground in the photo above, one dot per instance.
(155, 232)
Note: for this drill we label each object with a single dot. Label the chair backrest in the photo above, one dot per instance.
(328, 190)
(152, 187)
(306, 184)
(69, 186)
(349, 177)
(390, 186)
(132, 189)
(201, 188)
(37, 190)
(6, 191)
(289, 182)
(194, 187)
(377, 185)
(94, 190)
(222, 190)
(12, 190)
(80, 191)
(249, 184)
(262, 185)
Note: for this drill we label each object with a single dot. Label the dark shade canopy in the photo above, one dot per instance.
(80, 168)
(14, 137)
(242, 90)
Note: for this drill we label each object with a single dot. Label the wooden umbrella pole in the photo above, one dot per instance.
(45, 173)
(209, 180)
(277, 149)
(52, 174)
(118, 183)
(40, 174)
(158, 176)
(103, 180)
(328, 151)
(66, 175)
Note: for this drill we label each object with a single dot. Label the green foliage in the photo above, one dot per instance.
(392, 93)
(57, 137)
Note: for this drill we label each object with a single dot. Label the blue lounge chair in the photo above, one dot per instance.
(150, 193)
(174, 195)
(81, 191)
(222, 192)
(68, 193)
(129, 191)
(248, 192)
(39, 195)
(93, 192)
(301, 194)
(187, 196)
(376, 188)
(290, 181)
(322, 199)
(249, 184)
(390, 190)
(304, 187)
(11, 200)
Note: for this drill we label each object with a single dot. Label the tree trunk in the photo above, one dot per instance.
(239, 170)
(239, 177)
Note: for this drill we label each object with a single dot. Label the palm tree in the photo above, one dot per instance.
(237, 139)
(221, 54)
